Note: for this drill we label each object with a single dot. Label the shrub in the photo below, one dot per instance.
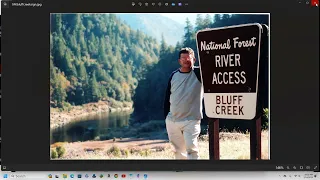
(145, 152)
(67, 106)
(132, 151)
(148, 152)
(115, 104)
(265, 126)
(60, 150)
(126, 152)
(115, 151)
(266, 113)
(53, 154)
(142, 153)
(265, 119)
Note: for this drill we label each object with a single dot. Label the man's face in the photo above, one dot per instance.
(186, 60)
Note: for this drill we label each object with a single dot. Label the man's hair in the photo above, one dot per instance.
(186, 50)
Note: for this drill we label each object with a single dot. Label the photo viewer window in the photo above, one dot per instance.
(159, 86)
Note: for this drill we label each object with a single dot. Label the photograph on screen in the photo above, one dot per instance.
(130, 86)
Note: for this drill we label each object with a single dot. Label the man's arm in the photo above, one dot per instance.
(166, 104)
(196, 70)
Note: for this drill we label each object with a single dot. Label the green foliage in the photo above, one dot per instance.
(189, 36)
(266, 113)
(82, 73)
(265, 125)
(94, 91)
(265, 119)
(67, 106)
(126, 152)
(60, 151)
(54, 154)
(99, 56)
(115, 151)
(145, 152)
(59, 95)
(114, 103)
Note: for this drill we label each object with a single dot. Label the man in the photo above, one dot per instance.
(183, 106)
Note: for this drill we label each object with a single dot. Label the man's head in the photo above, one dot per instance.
(186, 57)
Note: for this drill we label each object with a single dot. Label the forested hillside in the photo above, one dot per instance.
(96, 56)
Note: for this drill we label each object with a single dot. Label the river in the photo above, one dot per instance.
(90, 127)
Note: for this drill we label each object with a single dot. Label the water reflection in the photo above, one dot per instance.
(89, 127)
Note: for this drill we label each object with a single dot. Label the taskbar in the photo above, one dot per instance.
(159, 175)
(142, 166)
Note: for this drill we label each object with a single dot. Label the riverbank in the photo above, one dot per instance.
(60, 117)
(233, 145)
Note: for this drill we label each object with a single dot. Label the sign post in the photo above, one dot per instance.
(255, 139)
(255, 129)
(229, 64)
(214, 145)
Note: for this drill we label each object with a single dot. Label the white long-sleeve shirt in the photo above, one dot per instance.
(184, 96)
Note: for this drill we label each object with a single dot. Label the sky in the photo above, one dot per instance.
(181, 17)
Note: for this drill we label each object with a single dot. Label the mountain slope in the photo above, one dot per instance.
(155, 25)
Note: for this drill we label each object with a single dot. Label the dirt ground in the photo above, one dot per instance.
(232, 146)
(125, 143)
